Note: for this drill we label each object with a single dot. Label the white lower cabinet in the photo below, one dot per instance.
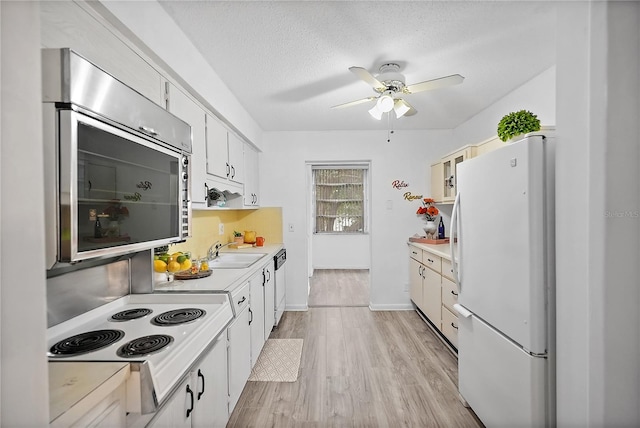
(433, 291)
(239, 350)
(202, 399)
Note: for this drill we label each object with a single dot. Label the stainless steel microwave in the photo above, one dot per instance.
(116, 165)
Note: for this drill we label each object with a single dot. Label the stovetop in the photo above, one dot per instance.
(169, 330)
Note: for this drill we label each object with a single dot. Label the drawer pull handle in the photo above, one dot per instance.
(454, 326)
(430, 261)
(242, 300)
(454, 293)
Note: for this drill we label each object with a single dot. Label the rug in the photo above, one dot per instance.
(279, 361)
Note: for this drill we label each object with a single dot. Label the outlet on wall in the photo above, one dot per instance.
(221, 229)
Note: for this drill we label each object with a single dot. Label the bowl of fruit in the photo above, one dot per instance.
(178, 265)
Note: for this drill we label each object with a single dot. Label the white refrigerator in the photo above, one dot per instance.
(503, 219)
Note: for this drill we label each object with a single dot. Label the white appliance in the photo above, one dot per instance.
(281, 288)
(161, 335)
(504, 266)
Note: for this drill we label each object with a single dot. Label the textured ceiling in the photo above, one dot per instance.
(287, 62)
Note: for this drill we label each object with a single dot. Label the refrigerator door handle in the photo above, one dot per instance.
(454, 228)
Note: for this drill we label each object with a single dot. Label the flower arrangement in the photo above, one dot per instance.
(428, 209)
(116, 211)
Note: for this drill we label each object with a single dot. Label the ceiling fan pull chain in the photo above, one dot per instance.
(389, 127)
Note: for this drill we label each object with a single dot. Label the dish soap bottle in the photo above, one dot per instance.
(441, 229)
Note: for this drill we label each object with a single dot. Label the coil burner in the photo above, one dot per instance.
(178, 316)
(130, 314)
(145, 345)
(85, 342)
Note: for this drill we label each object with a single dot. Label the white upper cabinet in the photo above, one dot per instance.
(186, 109)
(225, 153)
(251, 182)
(66, 24)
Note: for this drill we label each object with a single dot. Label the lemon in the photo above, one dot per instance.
(204, 266)
(186, 264)
(159, 266)
(181, 258)
(176, 254)
(173, 266)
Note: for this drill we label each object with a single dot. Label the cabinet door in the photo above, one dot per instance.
(450, 326)
(239, 356)
(236, 158)
(256, 316)
(431, 296)
(415, 282)
(437, 182)
(250, 176)
(174, 412)
(269, 299)
(210, 384)
(186, 109)
(450, 165)
(217, 151)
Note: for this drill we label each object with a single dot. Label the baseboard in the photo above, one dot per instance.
(394, 307)
(296, 308)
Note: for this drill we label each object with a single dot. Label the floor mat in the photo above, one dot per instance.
(279, 361)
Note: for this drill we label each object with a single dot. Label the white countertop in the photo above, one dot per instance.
(224, 279)
(442, 250)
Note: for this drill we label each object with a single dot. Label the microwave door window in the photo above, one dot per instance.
(127, 192)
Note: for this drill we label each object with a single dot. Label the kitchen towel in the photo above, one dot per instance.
(279, 361)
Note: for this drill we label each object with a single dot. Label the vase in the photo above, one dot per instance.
(114, 229)
(430, 229)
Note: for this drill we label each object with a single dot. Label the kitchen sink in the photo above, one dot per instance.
(235, 260)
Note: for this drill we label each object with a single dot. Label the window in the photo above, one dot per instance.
(340, 199)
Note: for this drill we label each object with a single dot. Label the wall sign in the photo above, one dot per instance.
(400, 185)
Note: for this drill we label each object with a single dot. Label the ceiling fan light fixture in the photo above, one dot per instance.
(400, 107)
(385, 103)
(375, 112)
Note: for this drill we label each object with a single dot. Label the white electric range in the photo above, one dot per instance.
(161, 335)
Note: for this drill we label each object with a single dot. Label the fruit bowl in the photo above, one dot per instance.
(172, 263)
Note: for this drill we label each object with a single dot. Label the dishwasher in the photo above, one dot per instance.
(281, 289)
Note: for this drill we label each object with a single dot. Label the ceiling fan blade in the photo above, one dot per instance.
(353, 103)
(403, 108)
(454, 79)
(368, 77)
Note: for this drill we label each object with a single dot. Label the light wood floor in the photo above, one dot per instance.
(339, 287)
(359, 368)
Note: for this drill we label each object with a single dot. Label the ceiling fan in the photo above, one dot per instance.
(390, 85)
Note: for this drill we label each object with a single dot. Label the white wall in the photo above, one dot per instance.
(407, 157)
(536, 95)
(24, 398)
(598, 206)
(341, 251)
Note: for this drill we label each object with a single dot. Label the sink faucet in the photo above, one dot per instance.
(212, 252)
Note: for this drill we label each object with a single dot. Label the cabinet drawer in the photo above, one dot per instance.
(447, 269)
(431, 261)
(240, 298)
(449, 293)
(415, 253)
(450, 326)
